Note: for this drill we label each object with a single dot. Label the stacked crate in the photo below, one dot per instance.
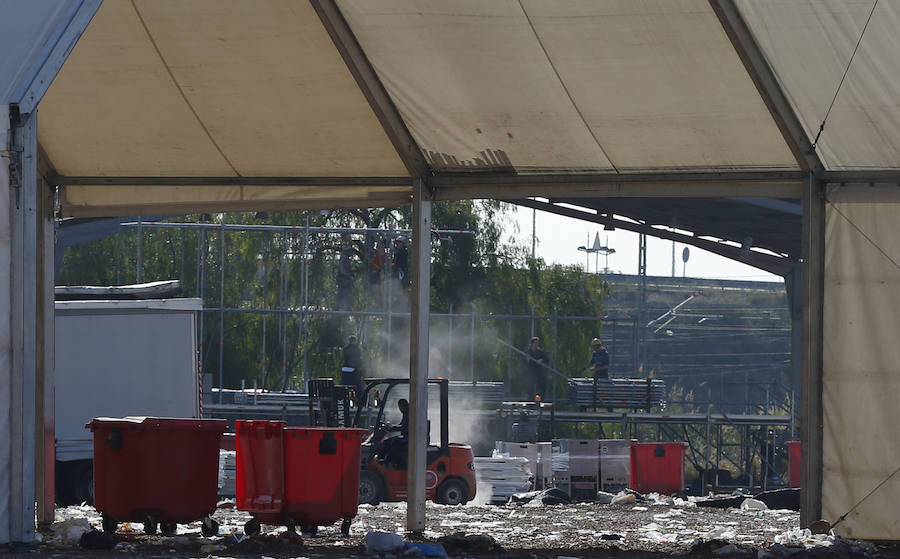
(576, 466)
(501, 477)
(538, 455)
(615, 464)
(227, 473)
(544, 478)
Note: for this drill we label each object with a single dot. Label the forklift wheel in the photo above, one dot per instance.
(168, 528)
(371, 488)
(345, 526)
(252, 527)
(452, 492)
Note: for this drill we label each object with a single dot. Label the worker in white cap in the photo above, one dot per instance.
(599, 364)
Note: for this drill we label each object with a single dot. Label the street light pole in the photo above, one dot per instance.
(533, 231)
(597, 250)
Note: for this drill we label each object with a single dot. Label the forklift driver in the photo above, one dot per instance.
(395, 446)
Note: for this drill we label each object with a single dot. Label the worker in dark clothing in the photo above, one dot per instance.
(599, 363)
(344, 279)
(399, 263)
(403, 426)
(598, 366)
(351, 373)
(536, 381)
(395, 447)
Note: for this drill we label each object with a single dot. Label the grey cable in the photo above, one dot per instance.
(866, 237)
(846, 70)
(869, 494)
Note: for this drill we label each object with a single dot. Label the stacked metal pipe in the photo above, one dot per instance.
(623, 393)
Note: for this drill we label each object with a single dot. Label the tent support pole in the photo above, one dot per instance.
(813, 305)
(22, 336)
(45, 474)
(418, 358)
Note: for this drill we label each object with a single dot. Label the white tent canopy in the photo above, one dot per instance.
(555, 85)
(227, 105)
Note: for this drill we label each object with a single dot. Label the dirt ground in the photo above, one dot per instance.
(560, 531)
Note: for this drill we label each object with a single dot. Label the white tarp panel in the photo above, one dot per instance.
(155, 341)
(809, 43)
(861, 380)
(210, 88)
(568, 86)
(5, 316)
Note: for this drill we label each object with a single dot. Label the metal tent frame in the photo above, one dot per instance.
(31, 178)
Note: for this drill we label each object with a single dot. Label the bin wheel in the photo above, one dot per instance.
(168, 528)
(109, 524)
(309, 529)
(452, 492)
(371, 488)
(150, 525)
(209, 527)
(252, 527)
(345, 526)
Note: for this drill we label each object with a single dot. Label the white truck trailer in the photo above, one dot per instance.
(117, 358)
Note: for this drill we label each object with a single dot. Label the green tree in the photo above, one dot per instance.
(270, 272)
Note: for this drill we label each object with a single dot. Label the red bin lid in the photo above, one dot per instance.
(168, 423)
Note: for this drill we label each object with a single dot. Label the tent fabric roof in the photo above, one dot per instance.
(619, 85)
(210, 88)
(233, 92)
(809, 45)
(106, 201)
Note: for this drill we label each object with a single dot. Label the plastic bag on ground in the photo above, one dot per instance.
(425, 549)
(381, 542)
(753, 504)
(804, 538)
(604, 498)
(721, 533)
(623, 499)
(70, 530)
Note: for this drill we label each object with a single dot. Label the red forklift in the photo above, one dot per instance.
(450, 467)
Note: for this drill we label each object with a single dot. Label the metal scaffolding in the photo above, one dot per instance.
(730, 434)
(764, 406)
(386, 308)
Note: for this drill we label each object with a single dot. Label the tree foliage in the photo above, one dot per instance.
(276, 282)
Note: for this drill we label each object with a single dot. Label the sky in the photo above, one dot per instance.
(559, 237)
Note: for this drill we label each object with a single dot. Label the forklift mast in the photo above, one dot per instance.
(329, 404)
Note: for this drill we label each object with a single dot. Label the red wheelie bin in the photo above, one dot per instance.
(657, 467)
(795, 463)
(158, 471)
(297, 476)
